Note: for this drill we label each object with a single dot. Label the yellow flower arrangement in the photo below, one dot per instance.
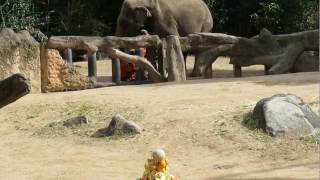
(157, 168)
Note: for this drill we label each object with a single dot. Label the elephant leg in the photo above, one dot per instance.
(196, 72)
(196, 69)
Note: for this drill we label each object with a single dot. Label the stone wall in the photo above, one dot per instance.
(20, 53)
(57, 75)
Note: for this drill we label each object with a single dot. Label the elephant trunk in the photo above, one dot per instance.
(119, 31)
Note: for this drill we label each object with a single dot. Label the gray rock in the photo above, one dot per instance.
(284, 113)
(72, 122)
(118, 126)
(76, 121)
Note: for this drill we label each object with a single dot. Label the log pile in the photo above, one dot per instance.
(278, 53)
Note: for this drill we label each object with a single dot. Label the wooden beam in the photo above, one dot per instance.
(92, 65)
(92, 44)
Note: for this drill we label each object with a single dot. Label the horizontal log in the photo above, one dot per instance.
(308, 39)
(13, 88)
(206, 41)
(279, 52)
(92, 44)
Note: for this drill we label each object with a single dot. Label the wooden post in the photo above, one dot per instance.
(237, 72)
(92, 65)
(116, 71)
(266, 69)
(164, 58)
(68, 53)
(175, 60)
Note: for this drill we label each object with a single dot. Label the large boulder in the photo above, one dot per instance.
(58, 75)
(118, 126)
(20, 53)
(284, 113)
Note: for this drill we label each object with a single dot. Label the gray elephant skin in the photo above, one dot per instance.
(164, 17)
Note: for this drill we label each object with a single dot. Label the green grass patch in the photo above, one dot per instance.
(249, 121)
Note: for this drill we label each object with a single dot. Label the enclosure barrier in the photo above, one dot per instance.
(278, 53)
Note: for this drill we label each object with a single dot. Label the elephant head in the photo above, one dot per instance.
(132, 19)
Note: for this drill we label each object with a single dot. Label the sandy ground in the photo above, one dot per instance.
(198, 123)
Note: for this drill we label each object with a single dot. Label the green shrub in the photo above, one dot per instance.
(18, 14)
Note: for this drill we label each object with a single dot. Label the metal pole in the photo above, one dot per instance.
(69, 55)
(116, 71)
(92, 65)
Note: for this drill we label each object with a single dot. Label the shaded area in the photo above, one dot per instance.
(237, 175)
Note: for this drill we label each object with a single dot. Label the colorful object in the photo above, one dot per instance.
(157, 168)
(128, 72)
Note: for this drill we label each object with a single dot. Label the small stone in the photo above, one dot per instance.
(76, 121)
(118, 126)
(221, 123)
(72, 122)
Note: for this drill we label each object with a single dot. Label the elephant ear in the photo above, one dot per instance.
(142, 14)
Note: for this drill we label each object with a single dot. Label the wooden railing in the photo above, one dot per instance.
(278, 53)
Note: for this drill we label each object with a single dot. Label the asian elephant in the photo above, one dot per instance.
(164, 17)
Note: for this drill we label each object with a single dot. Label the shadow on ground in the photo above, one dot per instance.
(237, 176)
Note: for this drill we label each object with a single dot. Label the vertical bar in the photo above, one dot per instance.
(139, 72)
(116, 71)
(68, 53)
(164, 57)
(237, 72)
(160, 60)
(151, 56)
(92, 65)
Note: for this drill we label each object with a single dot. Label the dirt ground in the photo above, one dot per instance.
(198, 123)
